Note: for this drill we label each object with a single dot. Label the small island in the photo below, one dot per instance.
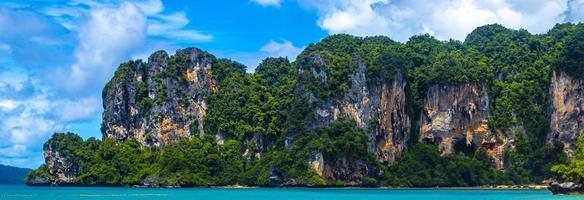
(503, 107)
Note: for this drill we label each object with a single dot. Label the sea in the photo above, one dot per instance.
(66, 193)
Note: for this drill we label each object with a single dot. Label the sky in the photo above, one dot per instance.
(57, 55)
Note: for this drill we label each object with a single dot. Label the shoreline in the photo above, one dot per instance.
(492, 187)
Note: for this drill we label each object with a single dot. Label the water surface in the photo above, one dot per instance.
(67, 193)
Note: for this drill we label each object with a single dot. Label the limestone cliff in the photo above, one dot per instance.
(455, 116)
(380, 110)
(62, 168)
(567, 110)
(377, 107)
(161, 100)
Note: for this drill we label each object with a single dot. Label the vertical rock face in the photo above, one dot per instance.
(379, 110)
(567, 110)
(457, 117)
(62, 168)
(161, 100)
(393, 124)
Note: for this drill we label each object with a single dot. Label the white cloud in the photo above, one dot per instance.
(59, 86)
(150, 7)
(273, 48)
(63, 11)
(171, 26)
(356, 17)
(110, 35)
(81, 109)
(8, 105)
(268, 2)
(444, 19)
(24, 127)
(26, 123)
(575, 12)
(281, 49)
(14, 79)
(114, 33)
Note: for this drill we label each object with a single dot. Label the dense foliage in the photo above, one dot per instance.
(425, 167)
(570, 57)
(574, 170)
(265, 118)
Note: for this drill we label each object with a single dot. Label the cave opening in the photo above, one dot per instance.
(461, 146)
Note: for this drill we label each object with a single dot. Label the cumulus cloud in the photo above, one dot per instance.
(268, 2)
(30, 112)
(110, 35)
(114, 33)
(25, 125)
(575, 11)
(56, 57)
(281, 49)
(443, 19)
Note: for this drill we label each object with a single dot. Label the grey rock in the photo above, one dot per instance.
(567, 187)
(62, 169)
(159, 101)
(567, 110)
(458, 114)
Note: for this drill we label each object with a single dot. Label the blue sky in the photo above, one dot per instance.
(56, 55)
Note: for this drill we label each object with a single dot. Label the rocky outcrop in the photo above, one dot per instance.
(456, 116)
(560, 187)
(38, 181)
(378, 109)
(567, 110)
(350, 171)
(63, 169)
(161, 100)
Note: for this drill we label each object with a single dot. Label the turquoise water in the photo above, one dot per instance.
(66, 193)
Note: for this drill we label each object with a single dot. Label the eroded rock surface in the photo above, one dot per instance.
(567, 110)
(378, 109)
(161, 100)
(62, 168)
(457, 117)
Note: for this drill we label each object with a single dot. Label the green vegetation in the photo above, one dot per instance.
(40, 173)
(570, 57)
(424, 167)
(336, 57)
(248, 104)
(574, 170)
(267, 118)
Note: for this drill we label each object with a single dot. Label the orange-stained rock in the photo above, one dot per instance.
(458, 114)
